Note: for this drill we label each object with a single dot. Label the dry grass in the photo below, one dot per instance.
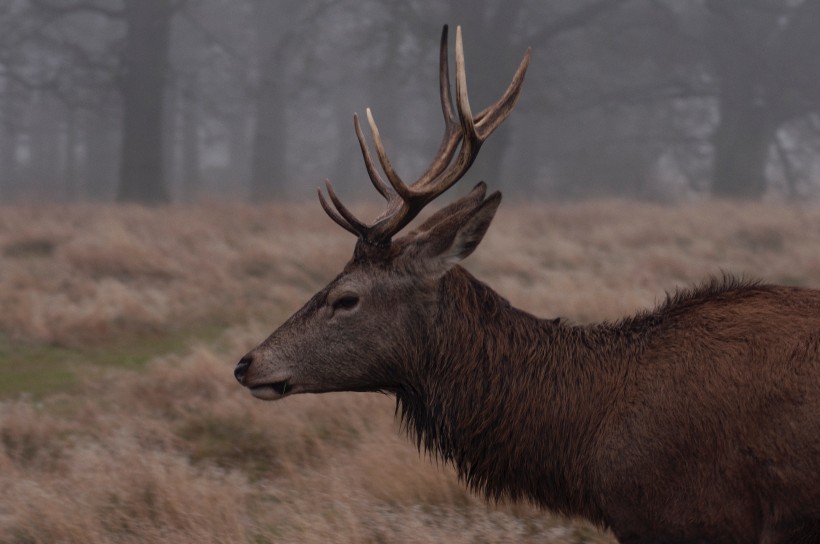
(177, 452)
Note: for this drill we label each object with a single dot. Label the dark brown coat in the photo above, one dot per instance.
(696, 422)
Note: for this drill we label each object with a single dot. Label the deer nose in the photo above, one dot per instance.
(242, 368)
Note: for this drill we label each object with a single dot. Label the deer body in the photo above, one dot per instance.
(641, 425)
(698, 422)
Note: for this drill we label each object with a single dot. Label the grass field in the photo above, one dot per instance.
(120, 420)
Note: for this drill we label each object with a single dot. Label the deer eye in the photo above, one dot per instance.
(345, 302)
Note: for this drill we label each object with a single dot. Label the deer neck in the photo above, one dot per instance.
(513, 401)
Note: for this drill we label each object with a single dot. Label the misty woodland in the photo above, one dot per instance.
(627, 349)
(249, 98)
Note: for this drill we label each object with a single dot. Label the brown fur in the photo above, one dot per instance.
(698, 422)
(705, 409)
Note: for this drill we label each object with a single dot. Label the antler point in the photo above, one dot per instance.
(461, 127)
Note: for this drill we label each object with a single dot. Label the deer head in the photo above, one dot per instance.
(357, 333)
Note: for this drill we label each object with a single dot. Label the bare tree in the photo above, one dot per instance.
(753, 61)
(285, 68)
(143, 82)
(141, 77)
(622, 91)
(764, 56)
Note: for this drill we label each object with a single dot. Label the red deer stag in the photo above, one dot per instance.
(698, 421)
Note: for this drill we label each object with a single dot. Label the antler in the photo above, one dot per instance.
(405, 202)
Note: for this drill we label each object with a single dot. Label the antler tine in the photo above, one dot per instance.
(475, 129)
(462, 100)
(444, 79)
(392, 176)
(452, 133)
(471, 131)
(451, 136)
(353, 224)
(491, 117)
(470, 139)
(434, 182)
(377, 180)
(335, 216)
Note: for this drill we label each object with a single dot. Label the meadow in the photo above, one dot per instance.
(120, 420)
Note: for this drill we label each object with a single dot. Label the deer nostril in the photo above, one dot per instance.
(242, 368)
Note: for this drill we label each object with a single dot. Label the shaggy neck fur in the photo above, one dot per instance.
(514, 402)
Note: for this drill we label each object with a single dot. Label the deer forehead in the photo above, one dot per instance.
(379, 280)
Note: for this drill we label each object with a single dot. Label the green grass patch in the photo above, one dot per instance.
(230, 443)
(31, 247)
(40, 369)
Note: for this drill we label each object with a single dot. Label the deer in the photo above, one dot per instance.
(695, 422)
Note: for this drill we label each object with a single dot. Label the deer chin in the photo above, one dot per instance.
(273, 390)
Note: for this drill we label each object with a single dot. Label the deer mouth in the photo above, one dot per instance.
(272, 391)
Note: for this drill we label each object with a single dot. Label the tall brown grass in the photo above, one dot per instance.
(178, 452)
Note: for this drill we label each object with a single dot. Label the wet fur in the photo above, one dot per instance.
(696, 422)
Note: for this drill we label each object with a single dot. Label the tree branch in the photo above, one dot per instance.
(84, 6)
(208, 35)
(573, 20)
(641, 94)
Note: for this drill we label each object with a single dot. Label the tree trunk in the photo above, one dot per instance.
(70, 177)
(145, 67)
(101, 156)
(268, 153)
(239, 152)
(741, 147)
(190, 145)
(8, 163)
(8, 148)
(268, 159)
(44, 172)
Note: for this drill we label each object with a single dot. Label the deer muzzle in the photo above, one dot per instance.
(272, 387)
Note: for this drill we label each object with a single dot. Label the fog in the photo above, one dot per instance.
(159, 161)
(156, 101)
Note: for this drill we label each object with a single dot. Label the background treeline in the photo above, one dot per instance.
(175, 100)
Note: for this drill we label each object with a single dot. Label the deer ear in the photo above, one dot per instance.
(467, 202)
(452, 239)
